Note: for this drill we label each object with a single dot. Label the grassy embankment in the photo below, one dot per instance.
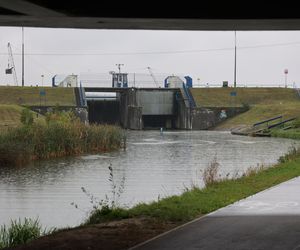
(264, 103)
(12, 100)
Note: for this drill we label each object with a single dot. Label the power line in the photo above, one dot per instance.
(157, 52)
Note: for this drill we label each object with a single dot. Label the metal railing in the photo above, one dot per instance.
(189, 96)
(82, 96)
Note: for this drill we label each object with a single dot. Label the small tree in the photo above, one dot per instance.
(26, 117)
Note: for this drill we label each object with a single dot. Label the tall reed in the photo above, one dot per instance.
(58, 136)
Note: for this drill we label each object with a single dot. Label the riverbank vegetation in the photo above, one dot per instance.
(292, 133)
(217, 193)
(21, 232)
(59, 134)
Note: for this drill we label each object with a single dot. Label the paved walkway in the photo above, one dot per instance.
(268, 220)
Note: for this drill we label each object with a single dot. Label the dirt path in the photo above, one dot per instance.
(113, 235)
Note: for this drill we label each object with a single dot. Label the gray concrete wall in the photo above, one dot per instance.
(136, 104)
(183, 116)
(192, 118)
(134, 118)
(127, 99)
(202, 119)
(155, 102)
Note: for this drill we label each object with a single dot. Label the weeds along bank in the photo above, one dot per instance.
(59, 134)
(20, 232)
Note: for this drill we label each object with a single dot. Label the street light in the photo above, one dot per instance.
(42, 80)
(286, 71)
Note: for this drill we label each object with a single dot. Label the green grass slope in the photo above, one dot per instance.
(220, 97)
(31, 96)
(10, 116)
(264, 103)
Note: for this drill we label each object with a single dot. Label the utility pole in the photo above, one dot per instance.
(235, 59)
(22, 56)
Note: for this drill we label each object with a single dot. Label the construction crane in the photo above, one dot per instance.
(153, 77)
(11, 65)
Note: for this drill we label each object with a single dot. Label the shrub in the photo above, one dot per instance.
(246, 106)
(26, 117)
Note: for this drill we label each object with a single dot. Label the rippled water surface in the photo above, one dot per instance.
(152, 166)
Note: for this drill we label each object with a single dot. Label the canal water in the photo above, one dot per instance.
(154, 165)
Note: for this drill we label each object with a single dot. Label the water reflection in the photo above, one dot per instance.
(154, 166)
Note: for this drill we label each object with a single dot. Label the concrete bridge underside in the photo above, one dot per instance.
(190, 15)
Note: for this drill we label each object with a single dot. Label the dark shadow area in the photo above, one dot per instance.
(104, 112)
(158, 121)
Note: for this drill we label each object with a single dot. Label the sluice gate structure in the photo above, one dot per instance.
(146, 108)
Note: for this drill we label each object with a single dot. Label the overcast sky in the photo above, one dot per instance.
(204, 55)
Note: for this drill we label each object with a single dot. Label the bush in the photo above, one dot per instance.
(26, 117)
(245, 106)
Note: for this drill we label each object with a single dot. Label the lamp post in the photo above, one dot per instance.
(42, 80)
(286, 71)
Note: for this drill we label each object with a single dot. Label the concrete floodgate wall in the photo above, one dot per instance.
(167, 108)
(155, 108)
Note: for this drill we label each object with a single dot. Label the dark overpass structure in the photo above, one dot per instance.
(187, 15)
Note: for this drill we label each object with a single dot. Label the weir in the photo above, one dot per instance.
(146, 108)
